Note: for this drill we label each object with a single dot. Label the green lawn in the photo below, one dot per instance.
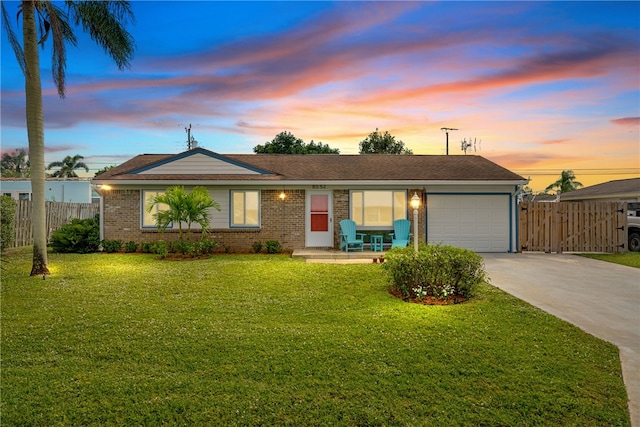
(267, 340)
(631, 259)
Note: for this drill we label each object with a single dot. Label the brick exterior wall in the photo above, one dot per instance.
(283, 221)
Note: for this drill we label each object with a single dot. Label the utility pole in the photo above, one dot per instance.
(447, 132)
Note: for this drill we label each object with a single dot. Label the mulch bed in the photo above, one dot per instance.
(429, 300)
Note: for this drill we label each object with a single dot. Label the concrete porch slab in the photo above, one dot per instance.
(333, 256)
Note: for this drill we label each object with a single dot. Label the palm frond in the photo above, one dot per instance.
(57, 21)
(13, 41)
(104, 21)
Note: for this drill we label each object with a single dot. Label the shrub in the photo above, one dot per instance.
(256, 247)
(160, 248)
(7, 221)
(273, 247)
(146, 247)
(434, 271)
(184, 247)
(208, 246)
(79, 236)
(131, 246)
(111, 246)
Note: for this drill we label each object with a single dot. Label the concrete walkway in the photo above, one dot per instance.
(601, 298)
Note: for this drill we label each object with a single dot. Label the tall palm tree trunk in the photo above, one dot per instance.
(35, 131)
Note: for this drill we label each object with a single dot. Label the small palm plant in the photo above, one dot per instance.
(183, 208)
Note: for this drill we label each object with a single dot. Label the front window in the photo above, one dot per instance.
(148, 219)
(245, 208)
(378, 208)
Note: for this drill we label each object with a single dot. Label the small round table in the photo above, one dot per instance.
(375, 240)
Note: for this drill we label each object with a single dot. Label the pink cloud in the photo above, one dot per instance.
(627, 121)
(555, 141)
(59, 148)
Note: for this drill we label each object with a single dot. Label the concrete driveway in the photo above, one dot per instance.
(601, 298)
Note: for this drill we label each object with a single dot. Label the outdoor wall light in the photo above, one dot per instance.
(415, 201)
(415, 204)
(282, 195)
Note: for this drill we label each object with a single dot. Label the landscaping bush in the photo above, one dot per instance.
(434, 271)
(160, 248)
(146, 247)
(111, 246)
(183, 247)
(7, 221)
(79, 236)
(208, 246)
(256, 247)
(273, 247)
(131, 247)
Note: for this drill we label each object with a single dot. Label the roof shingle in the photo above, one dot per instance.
(330, 167)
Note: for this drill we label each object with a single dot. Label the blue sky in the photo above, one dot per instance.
(545, 86)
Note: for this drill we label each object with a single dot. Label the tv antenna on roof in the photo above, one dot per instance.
(447, 132)
(191, 141)
(465, 145)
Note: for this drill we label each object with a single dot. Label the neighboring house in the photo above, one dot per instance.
(70, 190)
(299, 200)
(621, 190)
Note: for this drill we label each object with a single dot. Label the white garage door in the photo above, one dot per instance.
(476, 222)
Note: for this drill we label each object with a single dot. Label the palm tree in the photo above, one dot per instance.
(183, 207)
(104, 21)
(567, 182)
(68, 166)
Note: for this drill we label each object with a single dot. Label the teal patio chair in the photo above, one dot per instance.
(401, 235)
(349, 239)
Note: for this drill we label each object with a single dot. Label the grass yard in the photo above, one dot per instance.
(268, 340)
(631, 259)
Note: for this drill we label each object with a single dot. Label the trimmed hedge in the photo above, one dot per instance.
(435, 271)
(80, 236)
(7, 221)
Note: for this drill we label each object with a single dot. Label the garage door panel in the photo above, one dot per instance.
(476, 222)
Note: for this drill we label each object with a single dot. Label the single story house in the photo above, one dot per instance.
(299, 200)
(619, 190)
(70, 190)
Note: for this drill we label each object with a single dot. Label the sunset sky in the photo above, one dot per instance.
(540, 87)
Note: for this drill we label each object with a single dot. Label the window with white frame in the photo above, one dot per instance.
(245, 208)
(148, 219)
(378, 208)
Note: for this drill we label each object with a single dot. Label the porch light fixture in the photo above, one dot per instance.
(415, 204)
(282, 195)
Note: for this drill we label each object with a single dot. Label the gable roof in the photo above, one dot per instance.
(204, 165)
(620, 189)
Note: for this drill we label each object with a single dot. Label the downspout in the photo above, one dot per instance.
(101, 219)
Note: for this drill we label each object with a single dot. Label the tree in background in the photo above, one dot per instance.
(566, 183)
(377, 143)
(15, 165)
(286, 143)
(103, 170)
(68, 166)
(182, 207)
(104, 21)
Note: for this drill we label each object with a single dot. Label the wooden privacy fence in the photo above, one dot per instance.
(572, 227)
(57, 214)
